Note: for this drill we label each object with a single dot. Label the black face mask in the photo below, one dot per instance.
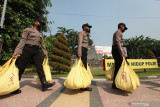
(88, 30)
(39, 27)
(123, 31)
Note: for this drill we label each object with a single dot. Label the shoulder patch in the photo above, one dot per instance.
(24, 32)
(82, 33)
(120, 33)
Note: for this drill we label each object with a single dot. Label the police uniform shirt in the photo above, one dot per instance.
(83, 39)
(30, 36)
(118, 41)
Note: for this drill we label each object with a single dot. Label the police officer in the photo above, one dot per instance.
(28, 49)
(117, 51)
(83, 41)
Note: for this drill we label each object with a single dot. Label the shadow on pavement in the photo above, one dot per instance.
(107, 87)
(31, 83)
(6, 96)
(65, 90)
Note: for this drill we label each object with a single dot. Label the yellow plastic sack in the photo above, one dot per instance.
(9, 79)
(126, 78)
(89, 72)
(136, 78)
(110, 72)
(5, 67)
(77, 77)
(47, 71)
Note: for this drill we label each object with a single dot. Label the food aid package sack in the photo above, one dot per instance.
(9, 79)
(89, 72)
(47, 71)
(126, 78)
(110, 72)
(78, 76)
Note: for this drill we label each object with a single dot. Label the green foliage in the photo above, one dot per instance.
(106, 57)
(20, 14)
(49, 42)
(139, 47)
(60, 67)
(63, 40)
(151, 55)
(60, 57)
(61, 46)
(61, 53)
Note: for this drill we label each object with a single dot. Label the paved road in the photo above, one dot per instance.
(102, 95)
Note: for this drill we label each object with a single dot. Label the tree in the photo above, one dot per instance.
(156, 48)
(64, 31)
(60, 58)
(151, 55)
(139, 47)
(71, 36)
(20, 14)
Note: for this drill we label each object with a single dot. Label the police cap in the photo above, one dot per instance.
(122, 25)
(86, 25)
(41, 22)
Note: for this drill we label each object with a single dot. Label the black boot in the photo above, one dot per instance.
(16, 92)
(86, 89)
(45, 84)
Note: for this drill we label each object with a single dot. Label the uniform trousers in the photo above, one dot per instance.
(84, 56)
(118, 61)
(30, 52)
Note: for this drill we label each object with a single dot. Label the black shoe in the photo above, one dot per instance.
(86, 89)
(16, 92)
(45, 84)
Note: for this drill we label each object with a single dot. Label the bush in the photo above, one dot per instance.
(60, 57)
(61, 53)
(62, 40)
(61, 46)
(60, 67)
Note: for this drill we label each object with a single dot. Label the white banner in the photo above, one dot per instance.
(104, 50)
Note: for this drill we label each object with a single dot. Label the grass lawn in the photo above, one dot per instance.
(54, 75)
(99, 73)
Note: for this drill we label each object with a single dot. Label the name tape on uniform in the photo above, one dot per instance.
(134, 63)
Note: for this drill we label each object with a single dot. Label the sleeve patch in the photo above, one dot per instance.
(120, 33)
(25, 32)
(82, 33)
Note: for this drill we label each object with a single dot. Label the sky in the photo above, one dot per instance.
(142, 17)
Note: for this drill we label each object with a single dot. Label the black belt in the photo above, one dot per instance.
(32, 46)
(114, 45)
